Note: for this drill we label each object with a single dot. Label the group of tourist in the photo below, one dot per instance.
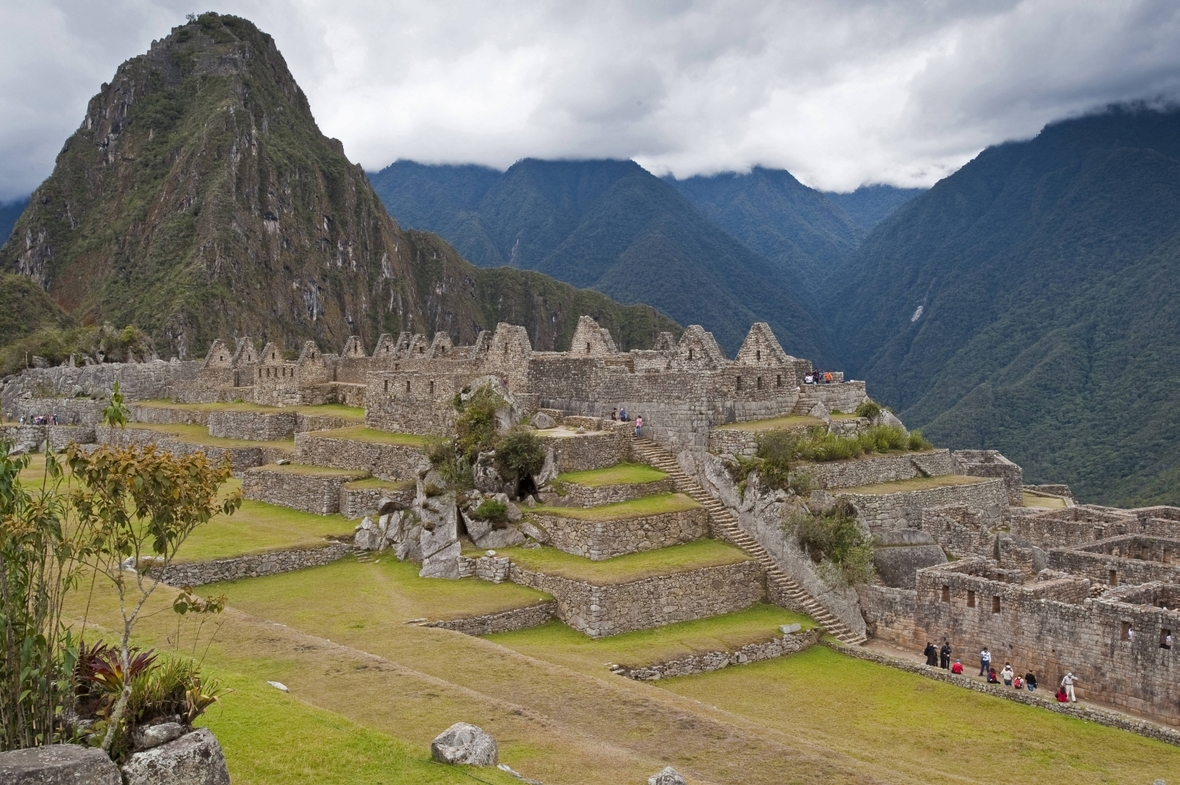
(1008, 676)
(621, 415)
(39, 419)
(818, 377)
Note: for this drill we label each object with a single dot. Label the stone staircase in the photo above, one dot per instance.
(727, 524)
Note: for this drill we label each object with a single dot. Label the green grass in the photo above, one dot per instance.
(359, 433)
(377, 484)
(619, 474)
(648, 505)
(310, 470)
(379, 595)
(773, 424)
(274, 737)
(564, 645)
(915, 484)
(258, 527)
(632, 567)
(924, 730)
(1037, 500)
(326, 410)
(199, 434)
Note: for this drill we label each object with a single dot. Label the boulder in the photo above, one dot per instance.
(367, 536)
(514, 513)
(58, 764)
(500, 538)
(386, 505)
(432, 484)
(889, 418)
(151, 736)
(820, 412)
(487, 478)
(667, 776)
(193, 759)
(442, 563)
(464, 744)
(440, 524)
(542, 421)
(548, 469)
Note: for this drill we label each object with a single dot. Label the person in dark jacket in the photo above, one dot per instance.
(931, 654)
(944, 655)
(1030, 681)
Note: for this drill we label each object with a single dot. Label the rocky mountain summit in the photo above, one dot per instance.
(199, 199)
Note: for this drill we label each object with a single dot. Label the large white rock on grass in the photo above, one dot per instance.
(193, 759)
(668, 776)
(465, 744)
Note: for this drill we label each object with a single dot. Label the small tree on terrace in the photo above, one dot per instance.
(138, 506)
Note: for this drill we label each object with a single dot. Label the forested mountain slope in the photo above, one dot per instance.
(1029, 303)
(869, 205)
(199, 199)
(612, 226)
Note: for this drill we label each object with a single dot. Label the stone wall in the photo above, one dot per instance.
(387, 461)
(599, 540)
(251, 426)
(358, 502)
(1129, 559)
(605, 610)
(1072, 526)
(959, 530)
(874, 469)
(137, 382)
(716, 660)
(890, 614)
(253, 566)
(240, 458)
(316, 492)
(990, 463)
(1051, 626)
(591, 450)
(595, 496)
(504, 621)
(842, 397)
(57, 437)
(69, 411)
(903, 510)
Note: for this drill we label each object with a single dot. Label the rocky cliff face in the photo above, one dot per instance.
(198, 199)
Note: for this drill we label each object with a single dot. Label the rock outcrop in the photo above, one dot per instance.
(193, 759)
(464, 744)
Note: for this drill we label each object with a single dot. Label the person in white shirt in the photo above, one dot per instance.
(1067, 685)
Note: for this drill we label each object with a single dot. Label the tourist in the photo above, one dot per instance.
(1007, 674)
(931, 654)
(828, 377)
(809, 379)
(623, 414)
(1130, 634)
(639, 426)
(1018, 682)
(1166, 643)
(1030, 681)
(985, 661)
(944, 654)
(957, 668)
(1062, 696)
(1067, 686)
(55, 419)
(614, 413)
(992, 678)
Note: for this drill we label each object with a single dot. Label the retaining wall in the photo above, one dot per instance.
(605, 610)
(599, 540)
(874, 469)
(358, 502)
(254, 566)
(504, 621)
(588, 496)
(240, 458)
(311, 492)
(387, 461)
(591, 450)
(903, 509)
(716, 660)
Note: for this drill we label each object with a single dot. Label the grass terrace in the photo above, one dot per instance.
(915, 484)
(1047, 502)
(259, 527)
(312, 471)
(659, 504)
(624, 569)
(788, 422)
(199, 434)
(327, 409)
(564, 645)
(359, 433)
(619, 474)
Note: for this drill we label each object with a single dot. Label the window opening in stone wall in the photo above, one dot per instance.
(758, 354)
(386, 385)
(407, 385)
(1113, 578)
(1125, 632)
(739, 382)
(778, 380)
(505, 350)
(432, 388)
(759, 383)
(690, 354)
(946, 593)
(995, 604)
(1165, 638)
(970, 599)
(587, 347)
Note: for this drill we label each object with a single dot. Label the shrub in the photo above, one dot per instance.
(835, 537)
(444, 455)
(519, 454)
(475, 428)
(491, 510)
(918, 442)
(868, 409)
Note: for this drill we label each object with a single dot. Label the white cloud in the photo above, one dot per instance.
(840, 93)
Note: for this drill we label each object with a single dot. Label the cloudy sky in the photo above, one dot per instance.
(839, 92)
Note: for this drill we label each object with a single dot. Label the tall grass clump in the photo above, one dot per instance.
(834, 538)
